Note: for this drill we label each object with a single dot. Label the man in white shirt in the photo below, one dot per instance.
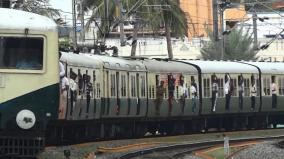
(214, 92)
(182, 93)
(253, 93)
(193, 91)
(63, 97)
(274, 93)
(227, 91)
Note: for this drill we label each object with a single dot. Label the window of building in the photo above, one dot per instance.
(206, 87)
(266, 86)
(23, 53)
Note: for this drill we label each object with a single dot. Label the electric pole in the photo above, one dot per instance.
(222, 30)
(121, 22)
(74, 24)
(255, 41)
(82, 33)
(215, 20)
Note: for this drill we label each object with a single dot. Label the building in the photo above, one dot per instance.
(199, 15)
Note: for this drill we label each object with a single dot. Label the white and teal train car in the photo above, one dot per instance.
(29, 80)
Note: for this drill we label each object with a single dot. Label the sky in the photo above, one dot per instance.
(65, 6)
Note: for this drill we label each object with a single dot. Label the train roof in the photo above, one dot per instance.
(78, 60)
(119, 63)
(168, 67)
(269, 67)
(12, 19)
(222, 66)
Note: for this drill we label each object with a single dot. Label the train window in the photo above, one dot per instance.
(153, 92)
(143, 86)
(206, 87)
(149, 92)
(123, 85)
(27, 54)
(112, 85)
(246, 87)
(234, 93)
(281, 85)
(133, 86)
(266, 86)
(221, 87)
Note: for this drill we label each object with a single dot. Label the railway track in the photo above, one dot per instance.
(124, 147)
(179, 150)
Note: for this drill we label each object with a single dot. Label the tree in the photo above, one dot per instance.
(41, 7)
(166, 13)
(237, 46)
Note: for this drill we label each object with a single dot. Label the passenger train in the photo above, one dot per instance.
(112, 97)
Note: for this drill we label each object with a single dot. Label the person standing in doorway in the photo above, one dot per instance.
(89, 92)
(241, 91)
(274, 92)
(215, 88)
(193, 91)
(73, 91)
(253, 93)
(63, 97)
(159, 96)
(171, 88)
(182, 93)
(227, 89)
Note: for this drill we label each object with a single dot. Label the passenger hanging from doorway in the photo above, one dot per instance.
(253, 92)
(73, 91)
(193, 92)
(171, 88)
(160, 96)
(215, 89)
(64, 87)
(274, 92)
(182, 92)
(80, 82)
(89, 92)
(228, 90)
(241, 91)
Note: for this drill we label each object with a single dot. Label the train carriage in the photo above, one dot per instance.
(81, 67)
(235, 70)
(124, 87)
(161, 71)
(271, 72)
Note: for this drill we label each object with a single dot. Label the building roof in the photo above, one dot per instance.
(11, 19)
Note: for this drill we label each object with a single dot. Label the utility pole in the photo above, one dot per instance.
(121, 22)
(74, 24)
(255, 41)
(215, 20)
(82, 33)
(222, 35)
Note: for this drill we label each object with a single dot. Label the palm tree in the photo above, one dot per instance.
(156, 13)
(237, 46)
(41, 7)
